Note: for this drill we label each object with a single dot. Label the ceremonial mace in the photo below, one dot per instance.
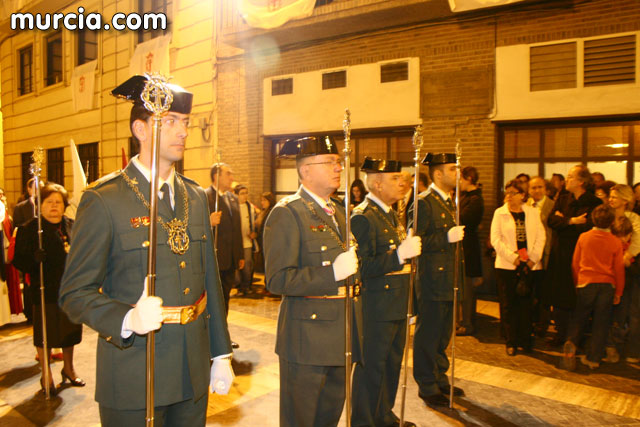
(456, 277)
(417, 145)
(215, 233)
(157, 99)
(36, 168)
(346, 126)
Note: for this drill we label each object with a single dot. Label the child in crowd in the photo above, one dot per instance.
(598, 271)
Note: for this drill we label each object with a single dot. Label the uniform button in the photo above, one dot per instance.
(313, 316)
(386, 231)
(323, 248)
(186, 291)
(386, 286)
(440, 268)
(355, 299)
(108, 339)
(204, 237)
(145, 244)
(390, 240)
(183, 264)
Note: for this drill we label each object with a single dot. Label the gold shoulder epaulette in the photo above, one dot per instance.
(286, 200)
(104, 179)
(361, 207)
(189, 180)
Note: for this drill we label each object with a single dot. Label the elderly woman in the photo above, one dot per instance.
(56, 228)
(518, 237)
(622, 201)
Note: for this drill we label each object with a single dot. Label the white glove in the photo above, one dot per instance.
(455, 234)
(146, 316)
(410, 247)
(221, 376)
(345, 265)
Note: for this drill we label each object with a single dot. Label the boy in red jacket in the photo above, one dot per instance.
(598, 272)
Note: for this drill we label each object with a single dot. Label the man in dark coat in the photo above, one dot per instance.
(434, 289)
(104, 280)
(307, 263)
(471, 211)
(384, 250)
(570, 217)
(226, 226)
(24, 211)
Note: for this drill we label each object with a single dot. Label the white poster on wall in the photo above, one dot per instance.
(151, 56)
(82, 84)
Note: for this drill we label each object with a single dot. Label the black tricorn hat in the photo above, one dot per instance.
(380, 166)
(433, 159)
(131, 90)
(308, 146)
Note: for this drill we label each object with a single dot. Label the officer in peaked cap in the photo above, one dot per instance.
(307, 263)
(105, 273)
(385, 251)
(434, 289)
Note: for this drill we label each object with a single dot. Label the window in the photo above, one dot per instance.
(610, 61)
(55, 165)
(322, 2)
(153, 6)
(610, 147)
(53, 59)
(25, 166)
(334, 80)
(88, 154)
(395, 72)
(553, 66)
(26, 64)
(87, 46)
(395, 145)
(281, 86)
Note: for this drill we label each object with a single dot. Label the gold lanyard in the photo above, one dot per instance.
(176, 229)
(400, 230)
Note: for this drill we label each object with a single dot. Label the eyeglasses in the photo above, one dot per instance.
(332, 163)
(511, 193)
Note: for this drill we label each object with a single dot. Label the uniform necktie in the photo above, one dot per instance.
(394, 218)
(166, 197)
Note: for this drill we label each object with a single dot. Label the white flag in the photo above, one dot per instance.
(82, 84)
(465, 5)
(274, 13)
(79, 181)
(151, 56)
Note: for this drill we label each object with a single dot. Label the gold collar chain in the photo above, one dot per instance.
(309, 206)
(400, 230)
(176, 229)
(447, 208)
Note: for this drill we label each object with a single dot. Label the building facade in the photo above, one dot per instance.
(534, 87)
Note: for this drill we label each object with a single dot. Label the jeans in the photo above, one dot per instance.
(595, 299)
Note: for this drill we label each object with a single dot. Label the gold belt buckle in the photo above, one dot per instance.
(187, 314)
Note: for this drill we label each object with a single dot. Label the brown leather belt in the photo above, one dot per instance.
(342, 292)
(186, 313)
(406, 269)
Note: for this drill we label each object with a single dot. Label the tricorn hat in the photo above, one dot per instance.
(380, 166)
(132, 89)
(308, 146)
(433, 159)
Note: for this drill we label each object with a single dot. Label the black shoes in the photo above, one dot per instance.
(406, 424)
(234, 345)
(512, 351)
(435, 400)
(457, 391)
(52, 388)
(75, 382)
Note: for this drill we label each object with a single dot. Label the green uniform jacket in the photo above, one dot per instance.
(436, 263)
(104, 276)
(299, 253)
(384, 297)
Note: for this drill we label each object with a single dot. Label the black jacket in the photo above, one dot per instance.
(471, 211)
(229, 238)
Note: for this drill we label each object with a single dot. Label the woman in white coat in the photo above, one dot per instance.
(518, 237)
